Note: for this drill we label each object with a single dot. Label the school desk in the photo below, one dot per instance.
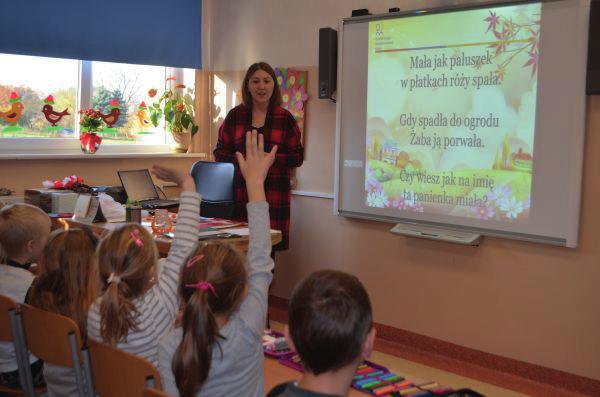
(163, 243)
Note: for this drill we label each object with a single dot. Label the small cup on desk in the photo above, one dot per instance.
(133, 214)
(161, 222)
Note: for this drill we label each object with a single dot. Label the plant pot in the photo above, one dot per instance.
(90, 142)
(182, 141)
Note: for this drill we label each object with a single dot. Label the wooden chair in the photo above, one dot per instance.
(8, 328)
(148, 392)
(56, 340)
(120, 374)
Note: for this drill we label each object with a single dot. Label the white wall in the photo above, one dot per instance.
(281, 32)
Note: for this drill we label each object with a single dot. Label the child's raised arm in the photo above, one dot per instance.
(254, 167)
(184, 241)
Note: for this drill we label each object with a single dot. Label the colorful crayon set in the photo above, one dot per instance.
(379, 381)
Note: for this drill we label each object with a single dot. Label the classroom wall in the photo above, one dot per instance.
(535, 303)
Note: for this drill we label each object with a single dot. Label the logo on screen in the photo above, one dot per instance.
(378, 30)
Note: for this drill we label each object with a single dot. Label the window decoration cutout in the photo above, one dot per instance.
(293, 86)
(111, 118)
(143, 119)
(12, 115)
(52, 116)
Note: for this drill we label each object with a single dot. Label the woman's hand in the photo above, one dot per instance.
(183, 179)
(256, 165)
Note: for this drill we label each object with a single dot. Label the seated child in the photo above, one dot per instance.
(330, 328)
(66, 285)
(137, 307)
(24, 230)
(217, 350)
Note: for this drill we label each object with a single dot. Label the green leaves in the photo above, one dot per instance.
(155, 116)
(178, 112)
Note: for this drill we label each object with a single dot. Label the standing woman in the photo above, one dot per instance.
(261, 111)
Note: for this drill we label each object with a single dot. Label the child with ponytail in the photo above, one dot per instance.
(217, 349)
(66, 285)
(139, 302)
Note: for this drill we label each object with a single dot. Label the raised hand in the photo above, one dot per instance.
(255, 165)
(183, 179)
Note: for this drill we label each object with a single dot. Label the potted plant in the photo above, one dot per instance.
(90, 123)
(177, 108)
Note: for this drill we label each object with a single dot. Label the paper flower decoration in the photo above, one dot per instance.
(65, 183)
(292, 84)
(299, 95)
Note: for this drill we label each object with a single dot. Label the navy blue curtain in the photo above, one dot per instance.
(147, 32)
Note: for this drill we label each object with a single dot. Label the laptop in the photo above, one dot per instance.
(139, 186)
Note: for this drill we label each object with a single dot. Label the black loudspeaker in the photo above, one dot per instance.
(593, 72)
(327, 62)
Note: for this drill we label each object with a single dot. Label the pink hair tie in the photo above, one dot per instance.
(137, 239)
(194, 260)
(203, 286)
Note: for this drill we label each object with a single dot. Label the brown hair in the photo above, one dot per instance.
(329, 319)
(122, 255)
(19, 224)
(275, 99)
(67, 280)
(223, 267)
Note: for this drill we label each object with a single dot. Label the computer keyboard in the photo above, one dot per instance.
(149, 204)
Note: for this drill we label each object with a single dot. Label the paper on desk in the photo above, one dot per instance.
(240, 231)
(210, 233)
(112, 211)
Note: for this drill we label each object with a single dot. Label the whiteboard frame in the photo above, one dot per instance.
(575, 154)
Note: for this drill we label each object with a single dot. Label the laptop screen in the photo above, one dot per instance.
(138, 185)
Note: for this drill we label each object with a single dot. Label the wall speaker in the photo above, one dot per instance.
(327, 62)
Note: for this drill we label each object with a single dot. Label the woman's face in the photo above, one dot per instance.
(261, 87)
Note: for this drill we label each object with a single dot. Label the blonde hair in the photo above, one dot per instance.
(127, 254)
(67, 282)
(19, 224)
(222, 267)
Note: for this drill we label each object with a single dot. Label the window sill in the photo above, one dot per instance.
(80, 155)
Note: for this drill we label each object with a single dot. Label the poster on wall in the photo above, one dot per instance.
(293, 93)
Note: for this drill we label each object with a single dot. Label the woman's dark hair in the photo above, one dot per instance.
(223, 268)
(247, 96)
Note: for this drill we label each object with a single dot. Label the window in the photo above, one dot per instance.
(128, 85)
(27, 84)
(40, 99)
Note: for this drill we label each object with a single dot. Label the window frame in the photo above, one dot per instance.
(71, 146)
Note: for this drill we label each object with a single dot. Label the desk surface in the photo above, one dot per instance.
(162, 243)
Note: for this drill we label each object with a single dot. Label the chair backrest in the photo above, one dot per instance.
(118, 373)
(214, 180)
(148, 392)
(47, 335)
(6, 304)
